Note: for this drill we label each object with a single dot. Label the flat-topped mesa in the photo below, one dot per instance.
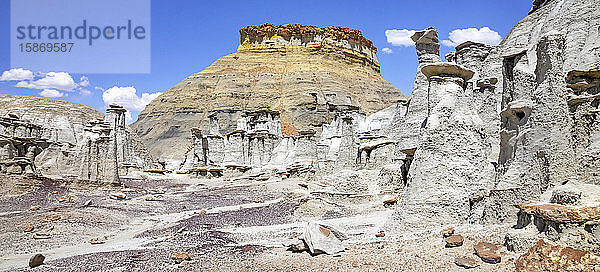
(258, 33)
(350, 42)
(308, 74)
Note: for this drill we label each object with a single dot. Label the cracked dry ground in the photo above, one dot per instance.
(223, 225)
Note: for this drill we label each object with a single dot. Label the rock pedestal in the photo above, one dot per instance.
(407, 126)
(107, 150)
(449, 168)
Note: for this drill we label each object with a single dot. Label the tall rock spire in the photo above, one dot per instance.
(409, 125)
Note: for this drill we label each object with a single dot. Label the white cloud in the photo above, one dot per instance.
(148, 97)
(127, 97)
(52, 80)
(51, 83)
(16, 74)
(51, 93)
(483, 35)
(400, 37)
(387, 50)
(84, 81)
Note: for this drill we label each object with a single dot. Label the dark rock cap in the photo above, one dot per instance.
(448, 69)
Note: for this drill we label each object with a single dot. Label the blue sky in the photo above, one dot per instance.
(187, 36)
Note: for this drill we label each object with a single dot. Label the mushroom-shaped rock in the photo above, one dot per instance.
(427, 36)
(447, 69)
(427, 45)
(468, 44)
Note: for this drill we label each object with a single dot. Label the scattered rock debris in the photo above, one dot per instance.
(181, 256)
(447, 232)
(454, 240)
(487, 252)
(467, 262)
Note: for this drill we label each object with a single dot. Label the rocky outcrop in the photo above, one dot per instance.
(20, 143)
(406, 126)
(450, 168)
(537, 136)
(568, 215)
(63, 132)
(530, 122)
(305, 73)
(545, 256)
(583, 99)
(84, 144)
(250, 145)
(351, 141)
(108, 149)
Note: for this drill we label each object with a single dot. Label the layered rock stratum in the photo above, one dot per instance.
(83, 144)
(305, 73)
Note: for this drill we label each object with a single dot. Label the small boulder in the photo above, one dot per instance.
(158, 191)
(447, 232)
(118, 196)
(454, 240)
(41, 236)
(391, 201)
(466, 262)
(28, 228)
(322, 238)
(50, 218)
(66, 198)
(98, 240)
(36, 260)
(487, 252)
(181, 256)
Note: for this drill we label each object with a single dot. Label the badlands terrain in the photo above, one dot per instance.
(293, 154)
